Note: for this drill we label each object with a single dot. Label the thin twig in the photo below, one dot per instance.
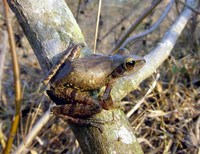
(120, 21)
(139, 103)
(135, 24)
(186, 5)
(193, 31)
(115, 26)
(17, 84)
(78, 9)
(97, 25)
(3, 50)
(152, 28)
(34, 132)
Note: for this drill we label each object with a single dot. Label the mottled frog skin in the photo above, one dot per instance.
(75, 78)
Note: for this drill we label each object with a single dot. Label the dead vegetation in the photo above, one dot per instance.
(168, 118)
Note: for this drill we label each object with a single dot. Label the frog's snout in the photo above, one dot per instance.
(140, 63)
(143, 61)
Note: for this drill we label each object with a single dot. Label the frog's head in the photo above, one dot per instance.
(126, 63)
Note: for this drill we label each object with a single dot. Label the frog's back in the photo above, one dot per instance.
(86, 73)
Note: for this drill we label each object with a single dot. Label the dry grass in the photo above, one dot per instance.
(168, 119)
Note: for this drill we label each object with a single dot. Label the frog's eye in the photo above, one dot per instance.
(129, 64)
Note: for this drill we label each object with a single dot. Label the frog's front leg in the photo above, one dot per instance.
(72, 52)
(106, 98)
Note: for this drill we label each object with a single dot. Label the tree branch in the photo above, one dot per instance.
(135, 24)
(152, 28)
(49, 27)
(155, 58)
(196, 10)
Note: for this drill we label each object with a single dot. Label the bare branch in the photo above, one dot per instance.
(152, 28)
(190, 7)
(135, 24)
(155, 58)
(49, 26)
(97, 26)
(3, 49)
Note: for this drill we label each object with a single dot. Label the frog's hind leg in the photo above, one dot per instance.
(77, 109)
(83, 122)
(67, 95)
(78, 114)
(72, 52)
(55, 99)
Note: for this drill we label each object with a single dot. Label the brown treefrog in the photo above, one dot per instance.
(72, 80)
